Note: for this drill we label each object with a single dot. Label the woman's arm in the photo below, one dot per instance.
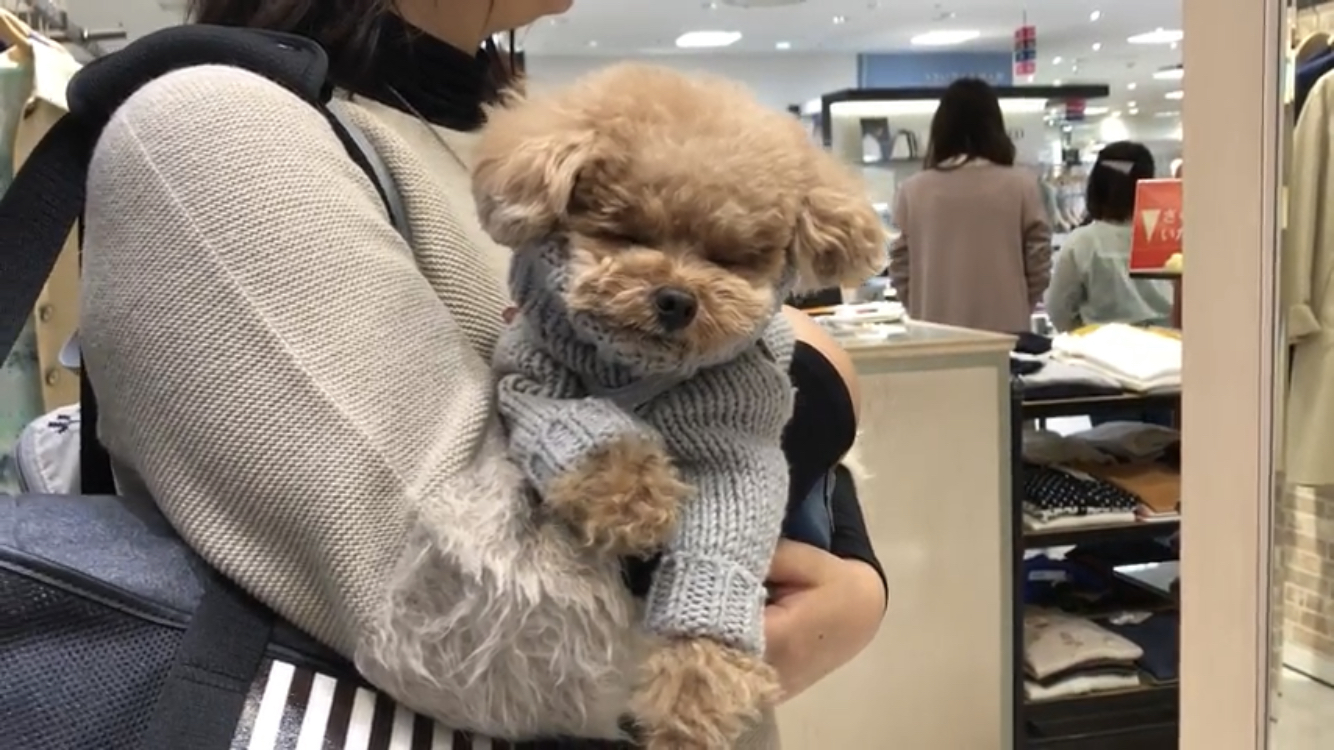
(268, 359)
(825, 606)
(1037, 242)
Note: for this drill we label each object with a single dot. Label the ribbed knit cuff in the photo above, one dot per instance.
(709, 597)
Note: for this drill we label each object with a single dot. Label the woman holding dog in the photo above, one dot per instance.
(303, 391)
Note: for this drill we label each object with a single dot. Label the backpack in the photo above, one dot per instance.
(114, 635)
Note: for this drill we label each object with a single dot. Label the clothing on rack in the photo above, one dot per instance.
(1308, 292)
(34, 72)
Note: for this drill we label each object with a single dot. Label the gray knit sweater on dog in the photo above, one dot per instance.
(563, 396)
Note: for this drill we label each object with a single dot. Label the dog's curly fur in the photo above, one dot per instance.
(658, 180)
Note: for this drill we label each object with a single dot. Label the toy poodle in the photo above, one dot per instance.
(658, 222)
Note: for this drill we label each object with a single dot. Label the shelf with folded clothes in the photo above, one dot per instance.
(1116, 482)
(1082, 658)
(1098, 371)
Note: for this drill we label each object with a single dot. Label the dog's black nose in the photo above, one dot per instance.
(675, 308)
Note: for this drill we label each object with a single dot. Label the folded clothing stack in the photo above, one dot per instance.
(1066, 655)
(1139, 359)
(1057, 497)
(1139, 459)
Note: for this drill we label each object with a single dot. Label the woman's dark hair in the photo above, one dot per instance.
(1110, 194)
(968, 123)
(349, 30)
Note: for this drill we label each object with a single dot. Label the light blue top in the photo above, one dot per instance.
(1091, 282)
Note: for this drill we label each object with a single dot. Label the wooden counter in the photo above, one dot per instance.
(935, 442)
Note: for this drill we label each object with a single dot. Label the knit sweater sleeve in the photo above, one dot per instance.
(270, 363)
(551, 420)
(724, 428)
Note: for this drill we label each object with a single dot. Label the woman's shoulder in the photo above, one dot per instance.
(197, 120)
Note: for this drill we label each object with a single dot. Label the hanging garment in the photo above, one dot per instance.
(20, 378)
(57, 309)
(1307, 296)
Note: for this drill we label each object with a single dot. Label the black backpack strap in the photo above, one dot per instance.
(205, 691)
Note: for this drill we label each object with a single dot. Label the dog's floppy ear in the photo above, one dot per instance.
(526, 164)
(840, 240)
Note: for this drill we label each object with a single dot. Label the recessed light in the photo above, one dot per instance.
(1174, 95)
(1175, 73)
(1158, 36)
(1134, 112)
(592, 42)
(1173, 45)
(1095, 15)
(783, 45)
(707, 39)
(1116, 113)
(1132, 86)
(1097, 46)
(1056, 60)
(945, 38)
(840, 19)
(1095, 111)
(1056, 82)
(1132, 105)
(1167, 113)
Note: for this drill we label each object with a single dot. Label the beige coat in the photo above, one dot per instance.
(1308, 296)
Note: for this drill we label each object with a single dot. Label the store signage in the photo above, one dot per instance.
(1074, 110)
(1025, 50)
(931, 69)
(1159, 223)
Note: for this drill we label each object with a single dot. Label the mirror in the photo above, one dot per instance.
(1302, 599)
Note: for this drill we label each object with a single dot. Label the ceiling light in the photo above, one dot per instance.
(783, 45)
(1158, 36)
(1132, 86)
(1175, 73)
(1095, 15)
(1116, 113)
(1096, 111)
(1056, 82)
(910, 107)
(840, 19)
(1134, 112)
(1174, 95)
(1056, 60)
(1168, 113)
(1097, 46)
(945, 38)
(592, 42)
(1132, 105)
(707, 39)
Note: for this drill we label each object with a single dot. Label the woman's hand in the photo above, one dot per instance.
(822, 611)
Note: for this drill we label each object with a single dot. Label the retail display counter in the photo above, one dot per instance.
(935, 446)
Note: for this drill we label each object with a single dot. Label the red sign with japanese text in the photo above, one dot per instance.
(1158, 223)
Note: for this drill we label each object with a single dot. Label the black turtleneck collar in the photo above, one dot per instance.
(417, 73)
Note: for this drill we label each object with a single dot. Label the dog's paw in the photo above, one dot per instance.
(697, 694)
(622, 499)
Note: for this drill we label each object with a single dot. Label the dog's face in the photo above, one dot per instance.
(688, 209)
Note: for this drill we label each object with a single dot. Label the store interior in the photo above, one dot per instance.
(1034, 594)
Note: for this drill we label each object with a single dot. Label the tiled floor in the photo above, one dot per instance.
(1303, 715)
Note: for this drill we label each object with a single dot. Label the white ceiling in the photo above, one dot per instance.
(617, 28)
